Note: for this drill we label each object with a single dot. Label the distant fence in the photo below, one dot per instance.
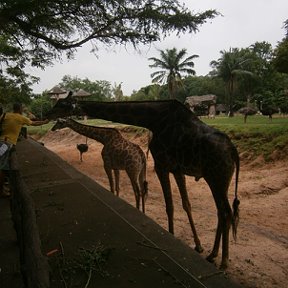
(34, 266)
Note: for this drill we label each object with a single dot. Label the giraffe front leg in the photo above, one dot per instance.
(181, 183)
(166, 188)
(110, 178)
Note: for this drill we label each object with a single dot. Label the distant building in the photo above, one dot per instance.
(57, 93)
(81, 94)
(221, 109)
(202, 105)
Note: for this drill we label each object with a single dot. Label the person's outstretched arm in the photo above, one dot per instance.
(39, 123)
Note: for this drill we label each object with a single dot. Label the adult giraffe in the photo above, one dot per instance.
(181, 145)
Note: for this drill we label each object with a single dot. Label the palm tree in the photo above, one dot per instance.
(172, 66)
(230, 65)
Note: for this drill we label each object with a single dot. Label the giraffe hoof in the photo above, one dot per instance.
(223, 266)
(210, 258)
(199, 249)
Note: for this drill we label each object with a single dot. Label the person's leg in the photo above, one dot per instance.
(2, 179)
(4, 172)
(4, 191)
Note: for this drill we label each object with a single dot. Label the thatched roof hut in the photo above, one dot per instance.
(57, 93)
(204, 99)
(202, 105)
(81, 94)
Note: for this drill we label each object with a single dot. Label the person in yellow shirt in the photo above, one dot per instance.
(11, 127)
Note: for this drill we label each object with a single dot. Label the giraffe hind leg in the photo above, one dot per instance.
(134, 182)
(224, 222)
(143, 187)
(214, 252)
(117, 182)
(227, 220)
(136, 190)
(144, 194)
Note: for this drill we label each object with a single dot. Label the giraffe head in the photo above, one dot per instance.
(60, 124)
(64, 108)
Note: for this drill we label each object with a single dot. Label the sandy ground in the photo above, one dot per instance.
(259, 258)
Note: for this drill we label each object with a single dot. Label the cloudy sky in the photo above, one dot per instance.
(242, 24)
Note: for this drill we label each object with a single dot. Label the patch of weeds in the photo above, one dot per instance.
(77, 271)
(94, 259)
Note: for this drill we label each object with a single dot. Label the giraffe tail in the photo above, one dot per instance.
(236, 202)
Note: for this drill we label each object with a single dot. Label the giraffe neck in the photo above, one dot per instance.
(100, 134)
(148, 114)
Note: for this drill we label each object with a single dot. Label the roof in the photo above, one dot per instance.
(59, 96)
(221, 108)
(56, 90)
(81, 93)
(196, 100)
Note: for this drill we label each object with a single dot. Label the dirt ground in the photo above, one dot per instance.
(259, 258)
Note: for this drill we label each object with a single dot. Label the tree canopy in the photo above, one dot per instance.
(281, 56)
(281, 53)
(229, 66)
(172, 67)
(100, 90)
(39, 31)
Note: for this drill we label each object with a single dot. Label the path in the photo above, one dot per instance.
(260, 256)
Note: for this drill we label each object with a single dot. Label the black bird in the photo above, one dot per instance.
(82, 149)
(268, 110)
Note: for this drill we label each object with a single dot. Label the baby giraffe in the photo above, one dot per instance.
(117, 154)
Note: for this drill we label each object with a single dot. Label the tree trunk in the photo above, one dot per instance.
(231, 96)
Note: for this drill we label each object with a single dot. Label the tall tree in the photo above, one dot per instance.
(172, 67)
(11, 92)
(150, 92)
(281, 53)
(204, 85)
(260, 55)
(37, 32)
(117, 91)
(99, 90)
(229, 66)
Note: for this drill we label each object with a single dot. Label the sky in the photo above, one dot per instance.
(242, 23)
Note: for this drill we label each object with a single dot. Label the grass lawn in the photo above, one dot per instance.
(258, 136)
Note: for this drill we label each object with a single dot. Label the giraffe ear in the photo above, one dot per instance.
(69, 96)
(70, 99)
